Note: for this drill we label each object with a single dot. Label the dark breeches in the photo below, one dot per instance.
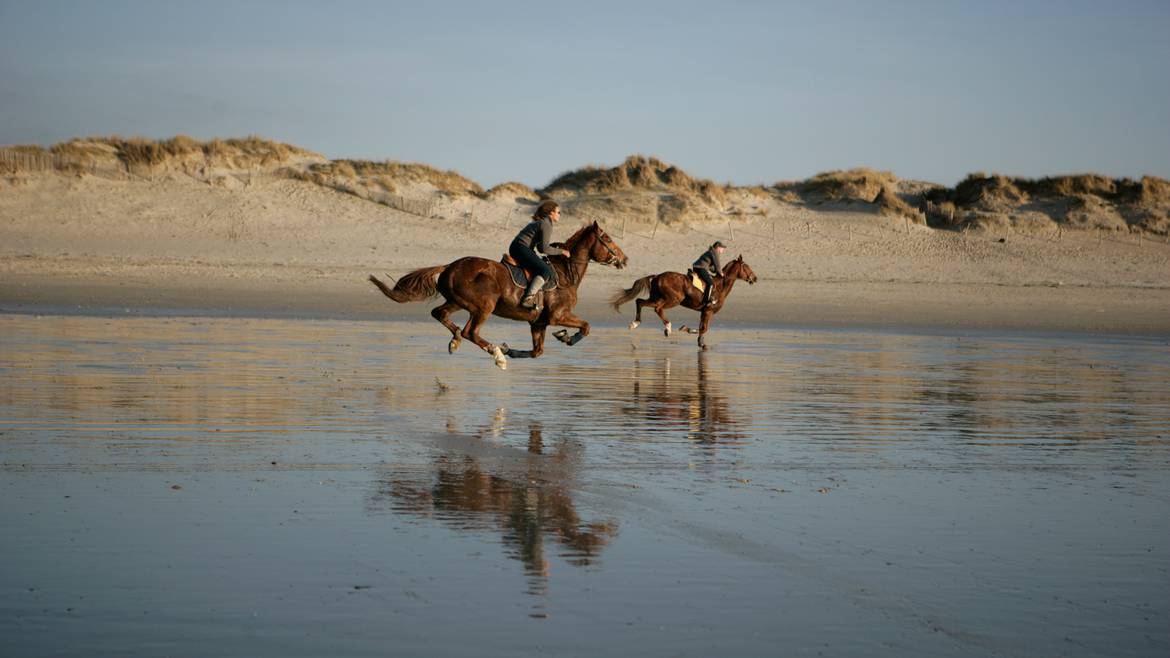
(706, 277)
(530, 261)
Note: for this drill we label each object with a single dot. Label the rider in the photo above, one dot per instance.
(532, 240)
(709, 267)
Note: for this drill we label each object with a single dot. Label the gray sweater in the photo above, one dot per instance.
(536, 236)
(709, 261)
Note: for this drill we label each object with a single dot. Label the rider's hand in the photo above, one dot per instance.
(565, 253)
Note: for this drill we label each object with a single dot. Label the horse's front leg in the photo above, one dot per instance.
(537, 344)
(704, 322)
(573, 322)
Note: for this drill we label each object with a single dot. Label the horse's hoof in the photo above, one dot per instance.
(666, 330)
(561, 335)
(498, 357)
(634, 325)
(452, 346)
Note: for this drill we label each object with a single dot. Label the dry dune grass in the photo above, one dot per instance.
(980, 188)
(641, 188)
(985, 192)
(1151, 190)
(1062, 186)
(450, 182)
(135, 154)
(1089, 201)
(889, 203)
(637, 172)
(237, 153)
(389, 183)
(861, 184)
(511, 191)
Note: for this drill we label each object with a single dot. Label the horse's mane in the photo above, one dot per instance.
(561, 263)
(574, 238)
(727, 267)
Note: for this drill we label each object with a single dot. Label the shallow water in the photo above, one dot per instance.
(227, 486)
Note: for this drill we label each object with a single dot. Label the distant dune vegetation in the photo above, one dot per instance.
(641, 188)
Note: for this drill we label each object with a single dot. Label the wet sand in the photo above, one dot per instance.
(344, 294)
(232, 485)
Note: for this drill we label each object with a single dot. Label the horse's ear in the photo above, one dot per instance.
(595, 224)
(739, 258)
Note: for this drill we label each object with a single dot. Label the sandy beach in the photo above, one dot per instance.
(267, 245)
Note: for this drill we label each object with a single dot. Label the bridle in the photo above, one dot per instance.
(611, 260)
(613, 257)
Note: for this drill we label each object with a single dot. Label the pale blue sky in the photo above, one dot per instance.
(747, 92)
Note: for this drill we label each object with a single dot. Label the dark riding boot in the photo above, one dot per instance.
(707, 294)
(534, 286)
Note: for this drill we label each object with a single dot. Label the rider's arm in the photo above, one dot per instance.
(545, 234)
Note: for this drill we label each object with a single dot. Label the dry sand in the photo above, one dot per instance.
(266, 245)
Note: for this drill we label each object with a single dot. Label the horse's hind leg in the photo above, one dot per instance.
(660, 309)
(638, 316)
(443, 315)
(471, 333)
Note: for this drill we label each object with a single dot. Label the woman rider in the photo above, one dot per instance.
(709, 267)
(534, 239)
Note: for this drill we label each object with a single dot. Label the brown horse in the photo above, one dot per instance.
(483, 287)
(669, 289)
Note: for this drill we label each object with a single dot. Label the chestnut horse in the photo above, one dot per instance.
(483, 287)
(669, 289)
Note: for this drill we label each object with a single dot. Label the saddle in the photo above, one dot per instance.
(697, 282)
(521, 276)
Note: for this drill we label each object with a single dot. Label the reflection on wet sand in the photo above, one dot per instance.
(338, 476)
(523, 495)
(691, 404)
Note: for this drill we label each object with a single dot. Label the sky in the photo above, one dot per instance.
(740, 92)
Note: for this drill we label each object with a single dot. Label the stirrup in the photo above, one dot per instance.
(529, 302)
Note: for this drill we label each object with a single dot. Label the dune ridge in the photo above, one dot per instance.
(640, 189)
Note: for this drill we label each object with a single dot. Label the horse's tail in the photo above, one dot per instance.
(622, 296)
(416, 286)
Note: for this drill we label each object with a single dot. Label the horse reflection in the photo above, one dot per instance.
(694, 404)
(523, 495)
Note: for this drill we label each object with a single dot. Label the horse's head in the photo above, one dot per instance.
(605, 250)
(744, 271)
